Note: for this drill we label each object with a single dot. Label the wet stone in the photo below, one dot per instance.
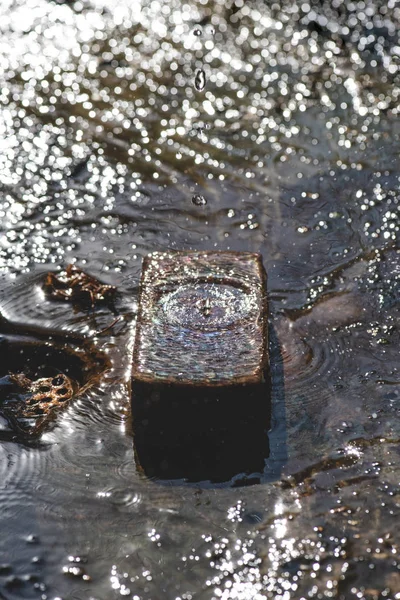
(39, 378)
(200, 366)
(28, 404)
(78, 287)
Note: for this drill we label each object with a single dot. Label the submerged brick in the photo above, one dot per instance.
(200, 384)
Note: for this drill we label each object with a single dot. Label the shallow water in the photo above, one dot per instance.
(283, 118)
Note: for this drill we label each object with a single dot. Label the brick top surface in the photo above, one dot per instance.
(202, 319)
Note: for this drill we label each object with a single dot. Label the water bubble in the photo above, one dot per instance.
(197, 32)
(32, 539)
(200, 80)
(199, 200)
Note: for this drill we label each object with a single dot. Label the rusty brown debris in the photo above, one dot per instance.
(78, 287)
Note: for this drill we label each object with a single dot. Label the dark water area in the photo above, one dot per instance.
(272, 127)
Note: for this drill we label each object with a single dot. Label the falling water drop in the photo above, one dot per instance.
(200, 80)
(199, 200)
(206, 307)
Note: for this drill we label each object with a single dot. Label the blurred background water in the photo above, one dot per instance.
(141, 125)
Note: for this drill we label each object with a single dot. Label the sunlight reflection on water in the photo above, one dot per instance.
(292, 140)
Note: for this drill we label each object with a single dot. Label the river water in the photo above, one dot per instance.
(134, 126)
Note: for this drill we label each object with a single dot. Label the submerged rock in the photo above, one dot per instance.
(29, 403)
(39, 379)
(78, 287)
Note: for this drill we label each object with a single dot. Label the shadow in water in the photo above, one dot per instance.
(277, 435)
(212, 436)
(208, 434)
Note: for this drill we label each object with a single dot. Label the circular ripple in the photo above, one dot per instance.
(24, 305)
(207, 307)
(20, 471)
(306, 362)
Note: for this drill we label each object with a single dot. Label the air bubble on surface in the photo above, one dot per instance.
(199, 200)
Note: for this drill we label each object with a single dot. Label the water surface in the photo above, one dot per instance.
(138, 126)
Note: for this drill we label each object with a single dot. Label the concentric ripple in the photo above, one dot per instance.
(23, 305)
(21, 469)
(207, 306)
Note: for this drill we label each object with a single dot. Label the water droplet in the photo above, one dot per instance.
(197, 32)
(32, 539)
(200, 130)
(206, 307)
(200, 80)
(199, 200)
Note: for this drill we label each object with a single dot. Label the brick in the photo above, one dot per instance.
(202, 319)
(200, 377)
